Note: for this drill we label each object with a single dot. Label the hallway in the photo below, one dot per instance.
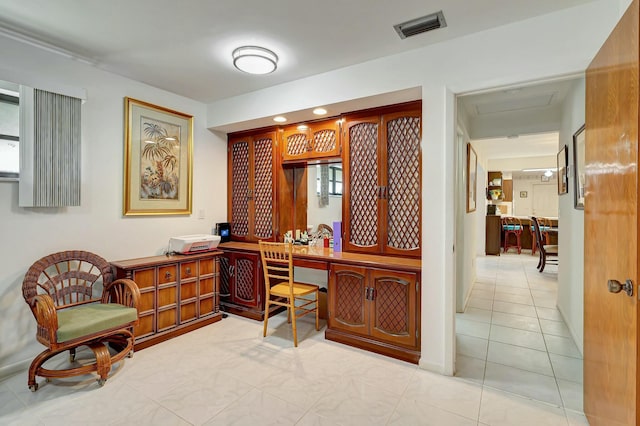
(512, 337)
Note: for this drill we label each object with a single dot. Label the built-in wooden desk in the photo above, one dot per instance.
(373, 300)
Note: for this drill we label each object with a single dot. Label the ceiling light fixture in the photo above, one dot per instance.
(303, 127)
(548, 173)
(319, 111)
(279, 119)
(255, 60)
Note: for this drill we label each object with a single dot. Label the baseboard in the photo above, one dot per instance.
(431, 366)
(576, 340)
(11, 370)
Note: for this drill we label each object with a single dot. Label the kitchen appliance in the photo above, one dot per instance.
(223, 229)
(197, 243)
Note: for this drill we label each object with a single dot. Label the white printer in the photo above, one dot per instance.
(196, 243)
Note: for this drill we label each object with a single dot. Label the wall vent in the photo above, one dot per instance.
(421, 25)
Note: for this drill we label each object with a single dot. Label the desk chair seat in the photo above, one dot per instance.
(282, 290)
(512, 226)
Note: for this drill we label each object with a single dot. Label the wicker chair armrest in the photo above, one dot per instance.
(123, 291)
(46, 316)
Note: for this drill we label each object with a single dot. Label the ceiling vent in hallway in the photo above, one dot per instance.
(421, 25)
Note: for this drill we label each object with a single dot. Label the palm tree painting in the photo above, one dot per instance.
(159, 160)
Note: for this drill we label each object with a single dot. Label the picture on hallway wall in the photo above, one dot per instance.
(563, 176)
(578, 165)
(472, 178)
(157, 160)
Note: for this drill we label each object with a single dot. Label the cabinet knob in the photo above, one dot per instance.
(167, 275)
(188, 270)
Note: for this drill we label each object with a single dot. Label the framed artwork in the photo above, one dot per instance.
(158, 160)
(523, 194)
(578, 165)
(563, 176)
(472, 178)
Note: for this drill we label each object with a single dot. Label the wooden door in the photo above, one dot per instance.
(325, 139)
(401, 182)
(347, 300)
(611, 229)
(393, 306)
(362, 188)
(295, 143)
(544, 199)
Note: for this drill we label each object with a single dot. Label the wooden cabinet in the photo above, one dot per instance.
(178, 294)
(493, 234)
(252, 206)
(317, 140)
(377, 309)
(382, 182)
(494, 186)
(507, 189)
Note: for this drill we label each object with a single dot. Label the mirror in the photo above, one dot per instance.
(328, 208)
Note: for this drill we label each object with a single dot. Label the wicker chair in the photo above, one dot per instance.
(76, 303)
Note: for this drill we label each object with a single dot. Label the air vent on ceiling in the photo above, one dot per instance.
(421, 25)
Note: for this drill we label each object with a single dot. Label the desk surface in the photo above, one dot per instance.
(327, 255)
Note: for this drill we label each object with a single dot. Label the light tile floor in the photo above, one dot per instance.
(226, 373)
(512, 338)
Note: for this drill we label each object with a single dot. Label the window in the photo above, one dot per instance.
(9, 135)
(334, 179)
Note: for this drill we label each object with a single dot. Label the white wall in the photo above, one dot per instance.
(524, 206)
(571, 222)
(97, 225)
(521, 52)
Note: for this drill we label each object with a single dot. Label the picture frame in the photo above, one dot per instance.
(524, 194)
(579, 168)
(472, 178)
(158, 160)
(563, 176)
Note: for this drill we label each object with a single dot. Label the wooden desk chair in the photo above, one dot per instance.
(548, 253)
(76, 303)
(277, 264)
(545, 225)
(512, 226)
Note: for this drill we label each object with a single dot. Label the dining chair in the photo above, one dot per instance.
(512, 226)
(282, 290)
(548, 252)
(545, 225)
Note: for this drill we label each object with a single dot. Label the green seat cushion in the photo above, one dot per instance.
(89, 319)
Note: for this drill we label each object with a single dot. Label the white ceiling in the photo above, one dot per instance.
(185, 46)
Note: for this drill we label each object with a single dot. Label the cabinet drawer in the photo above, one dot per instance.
(206, 286)
(167, 274)
(167, 319)
(188, 312)
(145, 326)
(206, 306)
(144, 278)
(147, 301)
(188, 290)
(167, 296)
(188, 270)
(207, 266)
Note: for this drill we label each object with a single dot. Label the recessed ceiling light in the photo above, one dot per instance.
(255, 60)
(279, 119)
(303, 127)
(319, 111)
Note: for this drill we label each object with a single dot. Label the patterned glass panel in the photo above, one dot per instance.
(297, 144)
(363, 177)
(244, 280)
(324, 140)
(392, 315)
(240, 189)
(350, 297)
(263, 188)
(403, 188)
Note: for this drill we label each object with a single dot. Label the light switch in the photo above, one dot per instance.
(201, 214)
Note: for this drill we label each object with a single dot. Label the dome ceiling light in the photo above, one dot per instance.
(255, 60)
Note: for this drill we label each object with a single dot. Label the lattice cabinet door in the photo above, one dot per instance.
(402, 189)
(263, 193)
(239, 187)
(393, 306)
(347, 299)
(362, 186)
(246, 289)
(313, 141)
